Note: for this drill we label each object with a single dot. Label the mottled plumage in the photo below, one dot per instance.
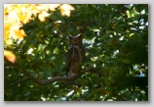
(75, 55)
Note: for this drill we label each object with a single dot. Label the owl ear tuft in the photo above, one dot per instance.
(69, 37)
(80, 35)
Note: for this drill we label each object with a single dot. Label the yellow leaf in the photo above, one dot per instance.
(20, 34)
(52, 7)
(43, 15)
(65, 9)
(9, 56)
(6, 32)
(24, 18)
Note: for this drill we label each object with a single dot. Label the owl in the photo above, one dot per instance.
(75, 55)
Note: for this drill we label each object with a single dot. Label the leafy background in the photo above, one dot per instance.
(115, 38)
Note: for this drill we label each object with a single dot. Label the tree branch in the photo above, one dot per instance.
(44, 82)
(48, 81)
(52, 79)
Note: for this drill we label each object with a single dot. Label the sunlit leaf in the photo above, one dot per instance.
(43, 15)
(24, 18)
(15, 15)
(6, 32)
(20, 34)
(65, 9)
(52, 7)
(9, 56)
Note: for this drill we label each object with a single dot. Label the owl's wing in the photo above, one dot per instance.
(68, 62)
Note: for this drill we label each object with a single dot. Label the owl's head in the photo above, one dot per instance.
(75, 40)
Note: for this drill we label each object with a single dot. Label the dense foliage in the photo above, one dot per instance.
(115, 38)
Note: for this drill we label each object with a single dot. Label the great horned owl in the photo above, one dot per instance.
(75, 55)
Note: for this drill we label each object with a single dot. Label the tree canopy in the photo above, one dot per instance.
(115, 38)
